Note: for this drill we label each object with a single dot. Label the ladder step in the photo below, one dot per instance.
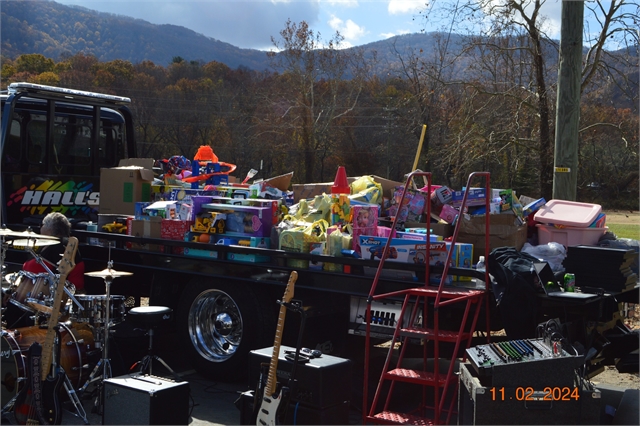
(419, 377)
(448, 293)
(443, 335)
(390, 418)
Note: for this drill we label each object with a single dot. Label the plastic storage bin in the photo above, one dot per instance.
(568, 213)
(569, 236)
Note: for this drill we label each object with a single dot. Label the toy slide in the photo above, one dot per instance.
(232, 168)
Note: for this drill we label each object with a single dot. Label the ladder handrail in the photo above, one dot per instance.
(456, 231)
(385, 251)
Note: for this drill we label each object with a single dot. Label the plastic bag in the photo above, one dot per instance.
(365, 189)
(553, 253)
(318, 209)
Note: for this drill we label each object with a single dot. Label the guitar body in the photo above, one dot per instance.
(272, 396)
(51, 405)
(269, 406)
(39, 401)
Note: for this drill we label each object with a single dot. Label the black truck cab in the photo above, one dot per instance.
(54, 143)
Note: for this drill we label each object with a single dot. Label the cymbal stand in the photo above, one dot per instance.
(104, 362)
(73, 397)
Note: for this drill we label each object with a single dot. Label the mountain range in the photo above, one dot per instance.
(55, 30)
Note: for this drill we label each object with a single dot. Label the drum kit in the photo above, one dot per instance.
(83, 327)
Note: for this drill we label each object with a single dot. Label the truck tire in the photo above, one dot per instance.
(220, 323)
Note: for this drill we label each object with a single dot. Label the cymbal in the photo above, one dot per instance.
(34, 242)
(106, 273)
(6, 232)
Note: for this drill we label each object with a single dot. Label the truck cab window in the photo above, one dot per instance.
(36, 143)
(11, 155)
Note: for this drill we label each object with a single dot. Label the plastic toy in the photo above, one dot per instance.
(213, 169)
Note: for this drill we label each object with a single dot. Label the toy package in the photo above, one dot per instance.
(412, 207)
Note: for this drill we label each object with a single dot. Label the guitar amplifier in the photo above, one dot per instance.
(322, 382)
(145, 400)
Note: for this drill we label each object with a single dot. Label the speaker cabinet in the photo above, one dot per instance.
(322, 382)
(145, 400)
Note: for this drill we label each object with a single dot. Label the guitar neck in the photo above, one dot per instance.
(272, 379)
(66, 266)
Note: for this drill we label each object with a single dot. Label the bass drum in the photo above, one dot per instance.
(76, 342)
(13, 368)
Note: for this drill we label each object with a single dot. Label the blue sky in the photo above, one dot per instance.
(252, 23)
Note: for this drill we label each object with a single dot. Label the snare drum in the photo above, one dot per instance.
(95, 309)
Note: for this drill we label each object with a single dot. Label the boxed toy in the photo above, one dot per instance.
(476, 197)
(438, 253)
(365, 215)
(294, 240)
(413, 205)
(249, 221)
(173, 229)
(400, 250)
(163, 209)
(448, 213)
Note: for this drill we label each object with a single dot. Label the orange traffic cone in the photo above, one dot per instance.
(340, 184)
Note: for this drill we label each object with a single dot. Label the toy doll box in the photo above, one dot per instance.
(243, 221)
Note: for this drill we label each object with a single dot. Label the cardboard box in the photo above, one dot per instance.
(151, 228)
(147, 229)
(504, 232)
(122, 187)
(310, 190)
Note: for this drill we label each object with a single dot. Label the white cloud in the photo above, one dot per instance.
(344, 3)
(349, 29)
(398, 7)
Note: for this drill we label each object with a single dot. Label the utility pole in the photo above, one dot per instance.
(565, 175)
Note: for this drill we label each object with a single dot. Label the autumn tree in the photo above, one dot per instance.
(312, 96)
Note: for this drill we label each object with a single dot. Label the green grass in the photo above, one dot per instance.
(625, 231)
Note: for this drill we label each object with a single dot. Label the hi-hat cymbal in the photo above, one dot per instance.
(33, 242)
(6, 232)
(106, 273)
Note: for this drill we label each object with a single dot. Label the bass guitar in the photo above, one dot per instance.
(51, 383)
(272, 396)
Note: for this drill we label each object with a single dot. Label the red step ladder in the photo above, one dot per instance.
(420, 320)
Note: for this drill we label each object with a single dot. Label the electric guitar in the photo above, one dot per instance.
(28, 405)
(51, 384)
(272, 396)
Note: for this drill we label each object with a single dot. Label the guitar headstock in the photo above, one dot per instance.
(67, 263)
(288, 292)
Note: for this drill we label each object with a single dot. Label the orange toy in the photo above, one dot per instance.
(205, 154)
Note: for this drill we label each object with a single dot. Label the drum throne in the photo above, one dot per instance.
(149, 318)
